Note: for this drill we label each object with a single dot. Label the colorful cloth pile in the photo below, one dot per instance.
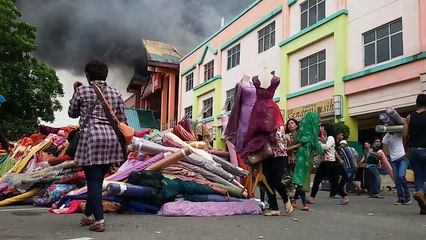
(161, 169)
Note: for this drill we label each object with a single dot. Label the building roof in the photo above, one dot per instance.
(161, 52)
(141, 119)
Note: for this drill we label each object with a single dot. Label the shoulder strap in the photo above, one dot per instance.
(108, 111)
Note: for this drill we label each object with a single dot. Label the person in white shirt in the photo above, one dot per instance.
(399, 166)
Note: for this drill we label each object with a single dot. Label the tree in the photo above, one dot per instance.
(30, 86)
(343, 128)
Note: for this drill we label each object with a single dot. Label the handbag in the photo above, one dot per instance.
(124, 132)
(74, 135)
(260, 155)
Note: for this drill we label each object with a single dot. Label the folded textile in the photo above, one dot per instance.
(205, 209)
(212, 198)
(173, 187)
(146, 178)
(130, 190)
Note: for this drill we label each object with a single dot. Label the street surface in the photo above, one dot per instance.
(363, 219)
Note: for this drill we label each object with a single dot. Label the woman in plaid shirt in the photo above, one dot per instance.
(98, 146)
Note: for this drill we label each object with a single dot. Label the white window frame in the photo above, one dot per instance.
(389, 37)
(266, 37)
(234, 56)
(312, 5)
(207, 110)
(230, 96)
(188, 112)
(311, 65)
(208, 70)
(189, 82)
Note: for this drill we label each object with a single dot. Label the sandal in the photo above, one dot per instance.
(272, 213)
(288, 208)
(310, 200)
(343, 202)
(305, 208)
(377, 196)
(293, 203)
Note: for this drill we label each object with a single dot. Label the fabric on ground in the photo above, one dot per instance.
(209, 209)
(130, 190)
(173, 187)
(230, 167)
(21, 197)
(212, 198)
(214, 168)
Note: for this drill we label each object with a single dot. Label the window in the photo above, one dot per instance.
(311, 11)
(207, 108)
(188, 112)
(208, 70)
(234, 57)
(230, 94)
(312, 69)
(383, 43)
(266, 37)
(189, 82)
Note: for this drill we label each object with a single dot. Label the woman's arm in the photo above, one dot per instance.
(74, 108)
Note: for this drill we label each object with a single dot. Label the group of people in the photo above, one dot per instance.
(257, 129)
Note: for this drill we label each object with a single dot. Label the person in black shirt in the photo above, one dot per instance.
(414, 136)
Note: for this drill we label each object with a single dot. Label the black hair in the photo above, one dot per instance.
(96, 70)
(328, 128)
(291, 119)
(421, 100)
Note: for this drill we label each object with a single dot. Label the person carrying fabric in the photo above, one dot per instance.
(330, 167)
(307, 137)
(399, 166)
(414, 135)
(98, 146)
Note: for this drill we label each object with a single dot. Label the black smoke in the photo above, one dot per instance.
(70, 32)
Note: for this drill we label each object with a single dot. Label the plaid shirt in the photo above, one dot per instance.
(98, 142)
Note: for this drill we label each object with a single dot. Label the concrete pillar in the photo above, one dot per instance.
(164, 101)
(171, 102)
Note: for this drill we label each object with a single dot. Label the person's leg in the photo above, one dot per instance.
(94, 180)
(374, 181)
(398, 181)
(319, 175)
(418, 164)
(342, 177)
(88, 212)
(268, 171)
(351, 172)
(276, 177)
(403, 173)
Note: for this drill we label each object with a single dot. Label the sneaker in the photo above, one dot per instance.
(399, 202)
(407, 201)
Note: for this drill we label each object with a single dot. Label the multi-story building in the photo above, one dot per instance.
(347, 60)
(244, 46)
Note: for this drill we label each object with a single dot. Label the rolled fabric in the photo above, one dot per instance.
(207, 174)
(214, 168)
(386, 119)
(391, 112)
(235, 170)
(170, 159)
(197, 151)
(198, 144)
(388, 129)
(148, 147)
(130, 190)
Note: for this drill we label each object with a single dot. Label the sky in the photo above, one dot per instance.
(71, 32)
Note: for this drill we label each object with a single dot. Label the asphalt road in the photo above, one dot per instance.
(363, 219)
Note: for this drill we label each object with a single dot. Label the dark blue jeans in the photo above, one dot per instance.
(374, 181)
(94, 178)
(351, 172)
(417, 156)
(399, 167)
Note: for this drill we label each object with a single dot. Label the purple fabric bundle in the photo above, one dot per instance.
(209, 209)
(219, 153)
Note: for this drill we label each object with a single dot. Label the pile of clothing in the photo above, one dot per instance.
(167, 173)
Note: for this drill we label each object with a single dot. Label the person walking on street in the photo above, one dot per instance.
(98, 146)
(414, 136)
(399, 166)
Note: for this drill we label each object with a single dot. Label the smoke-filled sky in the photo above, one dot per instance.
(70, 32)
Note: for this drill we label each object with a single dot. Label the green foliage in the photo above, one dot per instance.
(341, 127)
(30, 86)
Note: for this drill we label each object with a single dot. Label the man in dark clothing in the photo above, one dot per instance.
(3, 141)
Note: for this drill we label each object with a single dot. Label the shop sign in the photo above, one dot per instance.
(153, 85)
(324, 108)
